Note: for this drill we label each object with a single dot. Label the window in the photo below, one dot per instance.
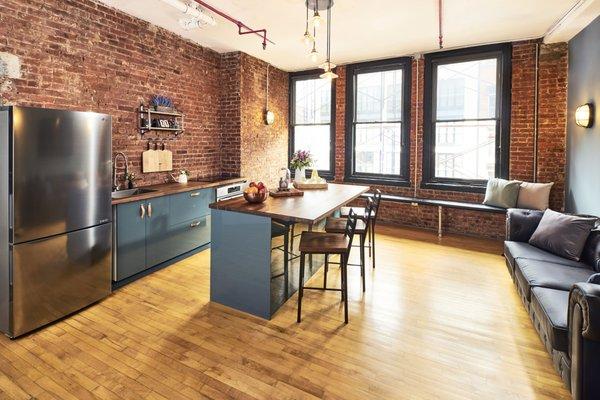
(377, 121)
(311, 110)
(467, 117)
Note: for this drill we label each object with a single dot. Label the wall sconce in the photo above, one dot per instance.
(584, 115)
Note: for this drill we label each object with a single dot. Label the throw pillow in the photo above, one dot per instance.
(534, 196)
(562, 234)
(501, 193)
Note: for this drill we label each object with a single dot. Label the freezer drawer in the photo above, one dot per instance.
(56, 276)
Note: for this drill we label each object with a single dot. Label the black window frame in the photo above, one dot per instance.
(306, 75)
(352, 70)
(502, 52)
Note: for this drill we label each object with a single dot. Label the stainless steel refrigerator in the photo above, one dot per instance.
(55, 214)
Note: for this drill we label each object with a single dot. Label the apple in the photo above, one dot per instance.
(252, 184)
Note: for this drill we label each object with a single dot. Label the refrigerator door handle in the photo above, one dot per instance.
(149, 210)
(142, 211)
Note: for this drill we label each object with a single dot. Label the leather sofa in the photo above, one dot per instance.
(565, 310)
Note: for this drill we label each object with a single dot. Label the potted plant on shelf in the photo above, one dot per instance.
(301, 160)
(162, 104)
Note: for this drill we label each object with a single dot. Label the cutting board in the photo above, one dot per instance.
(286, 193)
(310, 186)
(165, 160)
(150, 161)
(157, 161)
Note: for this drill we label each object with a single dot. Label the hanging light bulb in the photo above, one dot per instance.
(316, 19)
(314, 54)
(307, 39)
(327, 66)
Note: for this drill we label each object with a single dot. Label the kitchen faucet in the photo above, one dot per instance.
(115, 182)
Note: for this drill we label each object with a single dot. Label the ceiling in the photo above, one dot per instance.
(361, 30)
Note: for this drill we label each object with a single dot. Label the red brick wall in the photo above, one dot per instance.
(230, 118)
(264, 148)
(551, 153)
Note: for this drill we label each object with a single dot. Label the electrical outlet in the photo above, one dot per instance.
(414, 204)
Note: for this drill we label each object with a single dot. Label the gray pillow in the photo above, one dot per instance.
(562, 234)
(502, 193)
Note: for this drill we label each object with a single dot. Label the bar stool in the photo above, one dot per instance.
(328, 244)
(361, 212)
(278, 229)
(337, 225)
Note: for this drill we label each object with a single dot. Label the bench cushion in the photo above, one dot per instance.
(532, 273)
(515, 250)
(551, 308)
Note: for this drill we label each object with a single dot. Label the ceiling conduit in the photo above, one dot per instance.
(243, 29)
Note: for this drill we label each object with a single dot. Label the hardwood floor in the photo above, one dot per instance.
(439, 320)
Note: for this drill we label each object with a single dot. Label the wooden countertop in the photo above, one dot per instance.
(174, 188)
(313, 206)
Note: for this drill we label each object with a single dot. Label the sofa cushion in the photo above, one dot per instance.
(532, 273)
(562, 234)
(515, 250)
(551, 307)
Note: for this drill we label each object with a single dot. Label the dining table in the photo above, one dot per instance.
(246, 260)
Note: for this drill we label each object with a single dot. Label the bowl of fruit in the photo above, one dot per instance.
(256, 192)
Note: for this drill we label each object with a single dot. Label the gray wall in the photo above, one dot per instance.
(583, 145)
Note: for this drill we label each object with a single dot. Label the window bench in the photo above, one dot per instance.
(440, 204)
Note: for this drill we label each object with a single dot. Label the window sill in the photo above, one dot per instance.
(454, 187)
(378, 181)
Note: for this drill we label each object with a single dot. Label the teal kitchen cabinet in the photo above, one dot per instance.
(130, 240)
(154, 231)
(157, 231)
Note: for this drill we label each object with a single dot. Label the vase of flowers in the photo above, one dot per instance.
(301, 160)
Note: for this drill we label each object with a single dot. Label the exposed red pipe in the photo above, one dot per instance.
(243, 29)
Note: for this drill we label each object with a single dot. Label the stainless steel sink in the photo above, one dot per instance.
(121, 194)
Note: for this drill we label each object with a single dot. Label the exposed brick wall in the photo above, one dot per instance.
(551, 139)
(264, 148)
(81, 55)
(230, 117)
(552, 114)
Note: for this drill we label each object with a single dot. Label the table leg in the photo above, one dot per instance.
(310, 257)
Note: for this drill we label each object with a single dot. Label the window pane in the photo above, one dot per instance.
(379, 96)
(466, 90)
(377, 148)
(465, 150)
(312, 101)
(314, 138)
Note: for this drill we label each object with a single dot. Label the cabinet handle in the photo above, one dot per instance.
(194, 224)
(195, 194)
(142, 211)
(149, 210)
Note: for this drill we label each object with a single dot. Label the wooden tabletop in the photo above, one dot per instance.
(173, 188)
(313, 206)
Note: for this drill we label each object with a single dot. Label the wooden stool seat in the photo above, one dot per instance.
(338, 225)
(360, 211)
(321, 242)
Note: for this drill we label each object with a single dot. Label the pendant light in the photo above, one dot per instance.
(269, 115)
(307, 38)
(314, 54)
(316, 19)
(328, 66)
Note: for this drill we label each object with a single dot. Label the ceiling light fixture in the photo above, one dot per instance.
(328, 66)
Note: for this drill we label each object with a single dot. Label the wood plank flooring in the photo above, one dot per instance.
(439, 320)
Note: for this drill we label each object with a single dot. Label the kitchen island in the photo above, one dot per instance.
(243, 263)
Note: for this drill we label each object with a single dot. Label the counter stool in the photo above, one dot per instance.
(328, 244)
(278, 229)
(361, 212)
(338, 225)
